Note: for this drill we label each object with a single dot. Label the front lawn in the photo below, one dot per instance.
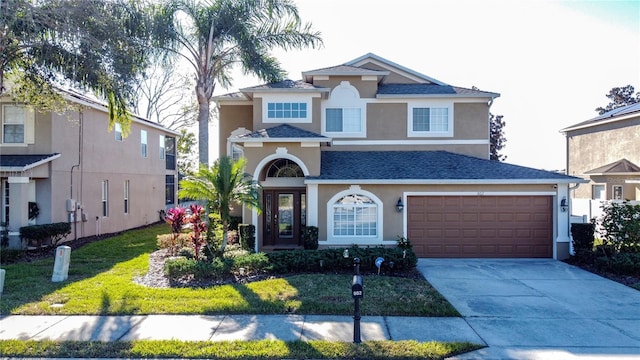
(101, 282)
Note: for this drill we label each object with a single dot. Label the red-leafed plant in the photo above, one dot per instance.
(199, 228)
(176, 217)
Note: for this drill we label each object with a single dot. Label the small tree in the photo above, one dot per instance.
(222, 185)
(497, 139)
(199, 228)
(620, 224)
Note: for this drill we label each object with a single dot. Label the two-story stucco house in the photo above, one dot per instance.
(369, 150)
(74, 169)
(606, 151)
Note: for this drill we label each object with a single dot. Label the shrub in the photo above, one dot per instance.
(252, 263)
(623, 263)
(247, 234)
(310, 238)
(165, 241)
(41, 233)
(180, 267)
(620, 224)
(583, 238)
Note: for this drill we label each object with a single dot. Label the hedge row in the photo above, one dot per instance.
(46, 232)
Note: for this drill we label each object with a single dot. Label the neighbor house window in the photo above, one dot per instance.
(170, 189)
(5, 202)
(105, 198)
(617, 192)
(162, 147)
(355, 215)
(17, 124)
(430, 120)
(597, 192)
(143, 143)
(117, 129)
(126, 196)
(170, 153)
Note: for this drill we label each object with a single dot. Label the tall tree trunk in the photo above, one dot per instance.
(203, 131)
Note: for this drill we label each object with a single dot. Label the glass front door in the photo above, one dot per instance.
(284, 216)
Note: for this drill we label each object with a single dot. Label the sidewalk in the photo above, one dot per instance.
(233, 327)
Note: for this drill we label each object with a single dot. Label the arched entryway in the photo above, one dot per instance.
(284, 202)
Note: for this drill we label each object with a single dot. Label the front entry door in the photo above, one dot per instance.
(284, 216)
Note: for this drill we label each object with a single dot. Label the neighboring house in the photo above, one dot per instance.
(75, 170)
(369, 151)
(606, 151)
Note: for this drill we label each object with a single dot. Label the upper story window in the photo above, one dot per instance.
(430, 119)
(170, 152)
(289, 108)
(17, 124)
(344, 113)
(117, 130)
(162, 147)
(143, 143)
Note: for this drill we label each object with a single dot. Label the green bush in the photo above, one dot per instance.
(622, 263)
(583, 238)
(310, 238)
(180, 267)
(333, 259)
(620, 223)
(41, 233)
(252, 264)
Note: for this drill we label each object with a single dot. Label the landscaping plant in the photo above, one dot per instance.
(175, 217)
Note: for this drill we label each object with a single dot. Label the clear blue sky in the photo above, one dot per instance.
(553, 62)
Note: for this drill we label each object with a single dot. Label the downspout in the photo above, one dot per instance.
(75, 209)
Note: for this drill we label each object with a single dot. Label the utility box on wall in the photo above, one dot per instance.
(61, 264)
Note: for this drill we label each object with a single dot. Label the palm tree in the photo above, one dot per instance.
(214, 35)
(221, 185)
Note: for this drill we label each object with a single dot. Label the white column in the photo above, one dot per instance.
(562, 218)
(312, 205)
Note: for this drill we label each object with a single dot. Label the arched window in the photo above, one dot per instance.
(355, 215)
(282, 168)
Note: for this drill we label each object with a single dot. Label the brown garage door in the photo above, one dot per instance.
(480, 226)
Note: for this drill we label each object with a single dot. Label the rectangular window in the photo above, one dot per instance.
(170, 152)
(430, 120)
(170, 189)
(143, 142)
(162, 147)
(17, 124)
(346, 120)
(117, 129)
(126, 196)
(286, 110)
(105, 198)
(617, 192)
(597, 192)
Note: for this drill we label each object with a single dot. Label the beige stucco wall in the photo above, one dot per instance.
(230, 118)
(95, 155)
(310, 156)
(597, 146)
(366, 88)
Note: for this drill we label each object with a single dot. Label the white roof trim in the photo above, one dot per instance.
(448, 181)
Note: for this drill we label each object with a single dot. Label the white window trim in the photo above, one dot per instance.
(28, 126)
(613, 192)
(117, 131)
(127, 203)
(429, 104)
(287, 98)
(345, 96)
(162, 150)
(104, 209)
(358, 239)
(144, 144)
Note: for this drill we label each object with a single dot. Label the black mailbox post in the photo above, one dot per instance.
(357, 293)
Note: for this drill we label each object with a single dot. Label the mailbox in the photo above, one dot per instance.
(356, 287)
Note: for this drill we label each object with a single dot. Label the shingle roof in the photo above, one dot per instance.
(429, 89)
(285, 84)
(425, 165)
(23, 162)
(610, 115)
(284, 131)
(620, 166)
(345, 70)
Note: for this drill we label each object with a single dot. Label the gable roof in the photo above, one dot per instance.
(622, 166)
(427, 167)
(620, 113)
(280, 133)
(370, 57)
(18, 163)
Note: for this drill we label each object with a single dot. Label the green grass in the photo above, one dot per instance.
(101, 282)
(262, 349)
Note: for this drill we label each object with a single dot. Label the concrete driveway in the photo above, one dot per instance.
(539, 309)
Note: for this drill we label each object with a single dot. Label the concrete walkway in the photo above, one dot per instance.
(233, 327)
(539, 309)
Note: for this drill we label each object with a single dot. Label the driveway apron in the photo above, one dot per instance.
(539, 308)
